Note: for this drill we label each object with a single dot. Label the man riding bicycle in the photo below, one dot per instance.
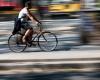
(18, 41)
(24, 15)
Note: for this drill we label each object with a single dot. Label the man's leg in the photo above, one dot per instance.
(28, 34)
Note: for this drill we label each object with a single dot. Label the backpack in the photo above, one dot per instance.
(17, 25)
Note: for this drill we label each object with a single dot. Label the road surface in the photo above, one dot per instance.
(70, 60)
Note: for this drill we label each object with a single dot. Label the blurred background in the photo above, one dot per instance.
(77, 26)
(80, 14)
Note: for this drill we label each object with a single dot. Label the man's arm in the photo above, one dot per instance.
(32, 17)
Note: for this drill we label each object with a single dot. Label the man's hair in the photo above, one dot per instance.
(27, 4)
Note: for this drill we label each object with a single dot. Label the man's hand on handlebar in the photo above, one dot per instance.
(39, 24)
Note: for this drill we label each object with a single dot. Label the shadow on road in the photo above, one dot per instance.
(53, 76)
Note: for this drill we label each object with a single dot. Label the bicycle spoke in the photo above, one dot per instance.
(15, 43)
(47, 41)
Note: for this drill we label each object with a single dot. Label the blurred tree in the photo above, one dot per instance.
(98, 3)
(87, 24)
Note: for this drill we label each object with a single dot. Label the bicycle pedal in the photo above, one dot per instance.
(29, 44)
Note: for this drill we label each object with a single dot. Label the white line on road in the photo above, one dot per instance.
(3, 42)
(51, 55)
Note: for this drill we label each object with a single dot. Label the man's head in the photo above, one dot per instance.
(28, 5)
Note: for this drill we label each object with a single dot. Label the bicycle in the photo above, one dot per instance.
(46, 40)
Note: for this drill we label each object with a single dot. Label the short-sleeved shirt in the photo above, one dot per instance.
(23, 17)
(23, 14)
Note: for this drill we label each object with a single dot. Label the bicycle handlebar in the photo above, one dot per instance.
(40, 26)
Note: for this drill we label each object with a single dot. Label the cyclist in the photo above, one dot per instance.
(24, 15)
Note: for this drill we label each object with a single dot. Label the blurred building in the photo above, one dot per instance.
(64, 6)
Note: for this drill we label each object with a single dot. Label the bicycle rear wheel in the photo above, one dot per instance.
(47, 41)
(15, 43)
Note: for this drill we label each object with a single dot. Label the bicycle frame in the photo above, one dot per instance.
(36, 34)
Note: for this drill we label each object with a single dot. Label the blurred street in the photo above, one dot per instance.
(66, 30)
(69, 61)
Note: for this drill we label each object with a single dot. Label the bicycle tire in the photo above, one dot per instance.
(47, 41)
(15, 45)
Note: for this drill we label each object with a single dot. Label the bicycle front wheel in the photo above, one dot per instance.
(15, 43)
(47, 41)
